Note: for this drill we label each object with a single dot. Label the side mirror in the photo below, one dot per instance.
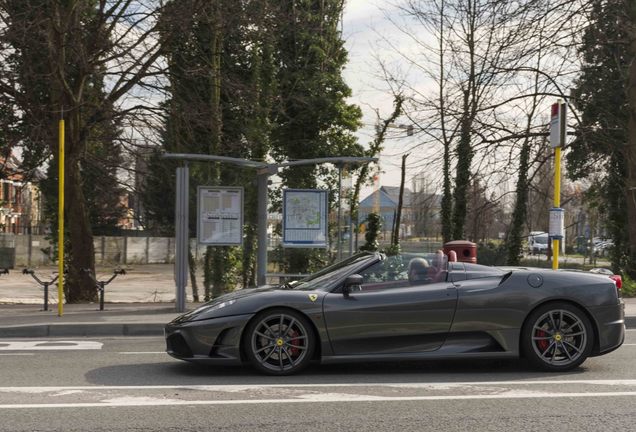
(351, 283)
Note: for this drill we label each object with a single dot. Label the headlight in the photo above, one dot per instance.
(218, 306)
(204, 309)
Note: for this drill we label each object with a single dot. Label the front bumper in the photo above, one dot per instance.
(215, 341)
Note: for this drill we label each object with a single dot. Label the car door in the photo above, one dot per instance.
(390, 317)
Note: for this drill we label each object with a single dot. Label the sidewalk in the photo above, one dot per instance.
(117, 319)
(137, 304)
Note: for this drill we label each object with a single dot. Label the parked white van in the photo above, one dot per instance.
(538, 242)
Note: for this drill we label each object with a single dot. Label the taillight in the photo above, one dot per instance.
(618, 280)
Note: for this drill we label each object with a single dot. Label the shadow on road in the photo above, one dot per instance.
(182, 373)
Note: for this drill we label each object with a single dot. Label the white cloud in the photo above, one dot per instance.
(366, 30)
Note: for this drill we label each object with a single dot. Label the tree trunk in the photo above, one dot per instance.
(207, 273)
(249, 261)
(465, 149)
(631, 149)
(395, 241)
(192, 266)
(219, 262)
(81, 254)
(216, 260)
(446, 211)
(462, 176)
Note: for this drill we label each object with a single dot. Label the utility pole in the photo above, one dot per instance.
(557, 139)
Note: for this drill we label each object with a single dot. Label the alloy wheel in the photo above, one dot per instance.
(280, 343)
(559, 338)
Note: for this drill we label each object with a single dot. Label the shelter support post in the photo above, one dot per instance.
(182, 238)
(261, 249)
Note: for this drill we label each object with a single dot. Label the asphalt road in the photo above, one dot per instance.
(129, 384)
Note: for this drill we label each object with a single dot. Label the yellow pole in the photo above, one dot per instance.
(557, 203)
(60, 223)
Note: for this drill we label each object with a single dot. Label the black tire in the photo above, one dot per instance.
(279, 342)
(557, 337)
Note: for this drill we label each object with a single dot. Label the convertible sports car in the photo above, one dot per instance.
(407, 307)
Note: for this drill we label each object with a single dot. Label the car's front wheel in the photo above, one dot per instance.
(557, 337)
(279, 342)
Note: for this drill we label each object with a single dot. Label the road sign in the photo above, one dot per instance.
(557, 217)
(558, 124)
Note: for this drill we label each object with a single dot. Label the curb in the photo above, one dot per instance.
(82, 330)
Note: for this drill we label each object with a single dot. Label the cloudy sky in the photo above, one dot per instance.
(366, 30)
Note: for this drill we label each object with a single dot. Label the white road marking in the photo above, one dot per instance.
(49, 345)
(16, 354)
(327, 398)
(245, 387)
(142, 352)
(337, 392)
(68, 392)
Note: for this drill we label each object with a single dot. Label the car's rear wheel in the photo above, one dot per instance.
(279, 342)
(557, 337)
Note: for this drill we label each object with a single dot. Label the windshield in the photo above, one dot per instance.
(541, 240)
(421, 267)
(326, 277)
(372, 269)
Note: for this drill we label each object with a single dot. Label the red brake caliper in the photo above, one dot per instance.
(294, 351)
(542, 343)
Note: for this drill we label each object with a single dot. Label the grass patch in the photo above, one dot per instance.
(629, 287)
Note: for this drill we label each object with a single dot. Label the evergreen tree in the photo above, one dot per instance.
(311, 118)
(279, 91)
(374, 225)
(600, 148)
(221, 73)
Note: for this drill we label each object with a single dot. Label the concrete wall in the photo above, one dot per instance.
(134, 250)
(28, 248)
(36, 250)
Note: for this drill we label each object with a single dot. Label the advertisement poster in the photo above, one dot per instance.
(220, 216)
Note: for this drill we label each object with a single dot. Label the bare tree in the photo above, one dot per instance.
(494, 66)
(375, 147)
(59, 52)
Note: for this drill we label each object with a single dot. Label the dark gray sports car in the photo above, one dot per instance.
(407, 307)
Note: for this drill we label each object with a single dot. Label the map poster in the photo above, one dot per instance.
(220, 215)
(305, 218)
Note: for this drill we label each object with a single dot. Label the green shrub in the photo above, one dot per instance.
(629, 287)
(374, 224)
(491, 254)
